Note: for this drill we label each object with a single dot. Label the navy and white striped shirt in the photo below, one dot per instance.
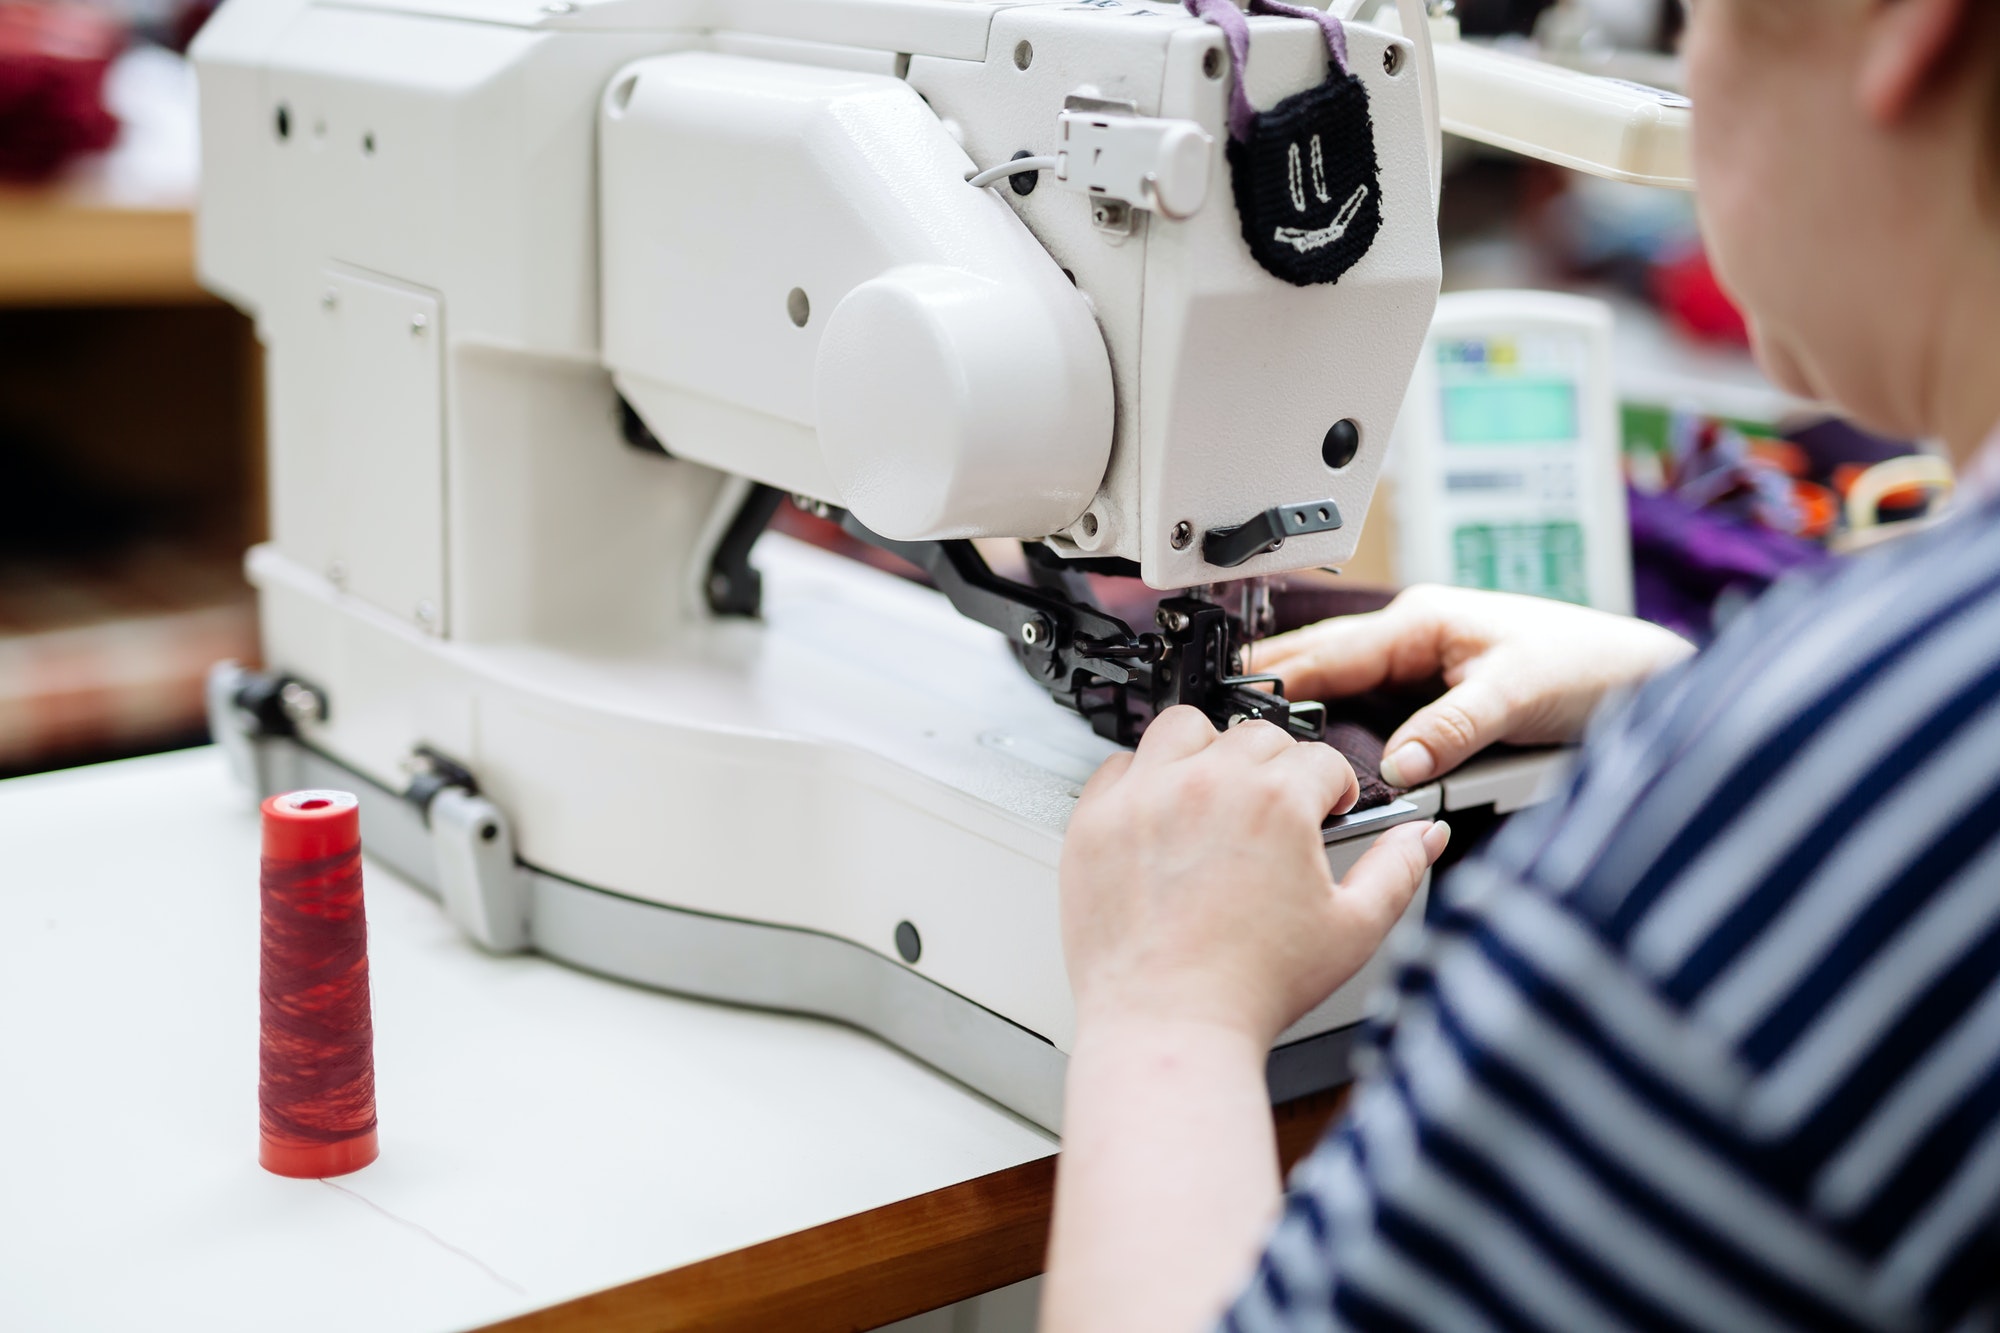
(1712, 1041)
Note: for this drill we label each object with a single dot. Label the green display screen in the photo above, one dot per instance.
(1509, 411)
(1541, 559)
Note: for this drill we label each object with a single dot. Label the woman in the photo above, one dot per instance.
(1710, 1041)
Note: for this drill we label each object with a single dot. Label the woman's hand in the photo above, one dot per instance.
(1195, 886)
(1199, 920)
(1523, 670)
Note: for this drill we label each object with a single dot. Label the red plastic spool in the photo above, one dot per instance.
(316, 1077)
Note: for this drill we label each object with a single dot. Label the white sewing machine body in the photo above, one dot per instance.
(491, 244)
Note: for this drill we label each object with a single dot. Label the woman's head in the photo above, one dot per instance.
(1847, 154)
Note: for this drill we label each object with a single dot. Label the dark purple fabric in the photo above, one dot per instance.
(1362, 749)
(1832, 441)
(1299, 605)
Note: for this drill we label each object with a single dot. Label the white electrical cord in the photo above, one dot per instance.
(994, 175)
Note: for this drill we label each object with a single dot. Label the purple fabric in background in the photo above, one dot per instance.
(1685, 560)
(1831, 441)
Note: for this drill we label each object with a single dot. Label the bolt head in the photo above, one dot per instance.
(300, 703)
(1182, 536)
(418, 323)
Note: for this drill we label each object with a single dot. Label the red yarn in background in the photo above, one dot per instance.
(316, 1084)
(1688, 290)
(53, 59)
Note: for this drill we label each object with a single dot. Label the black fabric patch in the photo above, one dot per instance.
(1307, 183)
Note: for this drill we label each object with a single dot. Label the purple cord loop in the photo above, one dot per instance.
(1236, 32)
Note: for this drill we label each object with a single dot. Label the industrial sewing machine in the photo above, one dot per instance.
(561, 300)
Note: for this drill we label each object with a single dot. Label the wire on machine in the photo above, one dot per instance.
(1006, 170)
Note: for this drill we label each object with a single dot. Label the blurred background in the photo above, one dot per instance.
(130, 441)
(130, 418)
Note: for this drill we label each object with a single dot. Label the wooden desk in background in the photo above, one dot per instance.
(69, 247)
(131, 433)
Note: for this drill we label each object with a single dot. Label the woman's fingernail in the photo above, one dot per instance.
(1410, 765)
(1436, 838)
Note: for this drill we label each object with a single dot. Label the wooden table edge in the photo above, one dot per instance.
(875, 1267)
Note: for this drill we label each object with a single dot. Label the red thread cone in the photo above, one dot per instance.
(316, 1076)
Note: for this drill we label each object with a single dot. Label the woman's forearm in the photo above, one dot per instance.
(1168, 1178)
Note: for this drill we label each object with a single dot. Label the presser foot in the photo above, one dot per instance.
(1090, 662)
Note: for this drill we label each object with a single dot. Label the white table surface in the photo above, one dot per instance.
(545, 1133)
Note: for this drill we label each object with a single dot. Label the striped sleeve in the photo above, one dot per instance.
(1711, 1042)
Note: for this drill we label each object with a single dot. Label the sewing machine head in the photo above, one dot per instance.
(758, 221)
(1086, 355)
(800, 288)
